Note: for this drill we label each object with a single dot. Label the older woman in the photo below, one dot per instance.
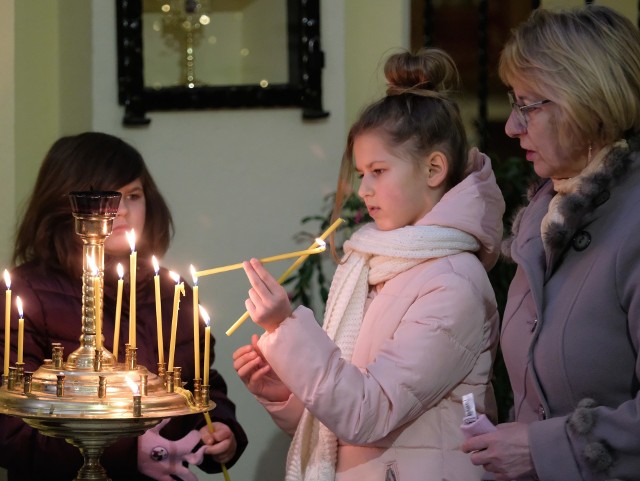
(571, 329)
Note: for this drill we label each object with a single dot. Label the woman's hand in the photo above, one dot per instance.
(268, 303)
(221, 444)
(256, 373)
(504, 452)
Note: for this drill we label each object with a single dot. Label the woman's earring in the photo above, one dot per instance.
(589, 155)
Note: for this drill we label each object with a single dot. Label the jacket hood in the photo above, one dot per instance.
(475, 206)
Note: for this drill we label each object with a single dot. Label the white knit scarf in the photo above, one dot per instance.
(371, 257)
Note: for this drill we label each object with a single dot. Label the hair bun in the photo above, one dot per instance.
(428, 72)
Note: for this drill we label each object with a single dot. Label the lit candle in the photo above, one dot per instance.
(20, 330)
(116, 332)
(7, 323)
(318, 247)
(288, 272)
(207, 346)
(196, 324)
(156, 282)
(174, 319)
(97, 311)
(133, 262)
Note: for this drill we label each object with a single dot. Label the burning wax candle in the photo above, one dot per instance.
(156, 283)
(116, 332)
(196, 324)
(95, 273)
(174, 318)
(319, 246)
(288, 272)
(207, 346)
(133, 263)
(7, 323)
(20, 330)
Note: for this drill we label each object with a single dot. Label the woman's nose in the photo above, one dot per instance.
(513, 128)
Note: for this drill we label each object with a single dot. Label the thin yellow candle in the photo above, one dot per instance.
(96, 300)
(7, 323)
(156, 283)
(174, 319)
(20, 330)
(116, 331)
(212, 430)
(206, 367)
(196, 325)
(288, 272)
(319, 247)
(133, 263)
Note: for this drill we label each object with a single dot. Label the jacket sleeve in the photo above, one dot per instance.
(596, 440)
(434, 347)
(23, 450)
(285, 414)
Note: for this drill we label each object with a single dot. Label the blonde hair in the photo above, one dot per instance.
(585, 60)
(416, 117)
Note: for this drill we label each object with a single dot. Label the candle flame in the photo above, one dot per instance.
(7, 279)
(92, 265)
(321, 243)
(204, 314)
(175, 276)
(131, 237)
(120, 271)
(156, 266)
(194, 275)
(19, 304)
(132, 385)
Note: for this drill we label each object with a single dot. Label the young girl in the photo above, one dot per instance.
(47, 276)
(411, 320)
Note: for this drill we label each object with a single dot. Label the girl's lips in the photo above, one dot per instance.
(373, 210)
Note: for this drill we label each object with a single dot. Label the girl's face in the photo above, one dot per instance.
(394, 190)
(131, 215)
(540, 138)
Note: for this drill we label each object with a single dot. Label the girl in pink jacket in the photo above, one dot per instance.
(411, 320)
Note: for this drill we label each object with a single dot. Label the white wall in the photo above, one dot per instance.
(238, 182)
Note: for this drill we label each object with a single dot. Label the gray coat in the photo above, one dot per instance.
(571, 328)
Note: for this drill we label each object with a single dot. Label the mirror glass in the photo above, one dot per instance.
(214, 42)
(207, 54)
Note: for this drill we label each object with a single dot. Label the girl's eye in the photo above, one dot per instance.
(377, 171)
(359, 175)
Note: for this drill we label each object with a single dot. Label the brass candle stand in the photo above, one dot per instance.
(91, 400)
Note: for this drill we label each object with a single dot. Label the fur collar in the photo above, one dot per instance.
(577, 207)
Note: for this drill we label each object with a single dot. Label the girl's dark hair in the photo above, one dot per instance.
(416, 116)
(88, 161)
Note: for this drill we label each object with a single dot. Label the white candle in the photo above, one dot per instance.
(174, 318)
(7, 323)
(20, 330)
(207, 346)
(133, 263)
(196, 325)
(156, 282)
(116, 332)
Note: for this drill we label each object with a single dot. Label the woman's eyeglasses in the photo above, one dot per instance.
(522, 110)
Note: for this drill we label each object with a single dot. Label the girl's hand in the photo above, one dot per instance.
(221, 444)
(504, 452)
(268, 303)
(256, 373)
